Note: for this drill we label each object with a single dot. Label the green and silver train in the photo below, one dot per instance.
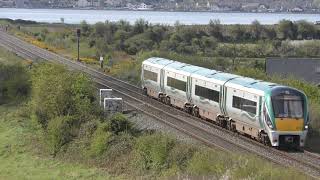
(270, 113)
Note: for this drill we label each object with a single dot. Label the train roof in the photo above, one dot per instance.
(159, 61)
(213, 74)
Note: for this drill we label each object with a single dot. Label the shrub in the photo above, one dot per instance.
(119, 123)
(209, 162)
(58, 92)
(14, 83)
(60, 132)
(152, 151)
(253, 168)
(180, 155)
(100, 140)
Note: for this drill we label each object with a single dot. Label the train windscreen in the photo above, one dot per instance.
(287, 106)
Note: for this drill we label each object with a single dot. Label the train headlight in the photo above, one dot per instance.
(269, 124)
(306, 127)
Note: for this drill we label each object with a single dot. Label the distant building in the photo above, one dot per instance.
(113, 3)
(296, 9)
(144, 6)
(83, 3)
(131, 6)
(250, 7)
(307, 69)
(88, 3)
(7, 3)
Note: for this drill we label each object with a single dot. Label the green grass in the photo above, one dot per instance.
(19, 161)
(7, 57)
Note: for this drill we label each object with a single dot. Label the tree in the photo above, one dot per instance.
(121, 36)
(62, 20)
(215, 29)
(287, 30)
(140, 26)
(306, 30)
(208, 44)
(99, 29)
(138, 43)
(316, 3)
(124, 25)
(236, 32)
(256, 29)
(85, 28)
(57, 92)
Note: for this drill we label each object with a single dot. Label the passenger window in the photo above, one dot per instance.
(207, 93)
(175, 83)
(244, 104)
(149, 75)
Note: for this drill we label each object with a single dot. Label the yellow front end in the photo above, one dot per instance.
(289, 124)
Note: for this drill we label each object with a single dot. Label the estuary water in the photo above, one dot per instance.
(72, 16)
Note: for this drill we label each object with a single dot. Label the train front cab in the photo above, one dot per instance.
(286, 117)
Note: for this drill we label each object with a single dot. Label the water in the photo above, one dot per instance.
(92, 16)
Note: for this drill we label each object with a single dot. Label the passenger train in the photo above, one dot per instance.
(273, 114)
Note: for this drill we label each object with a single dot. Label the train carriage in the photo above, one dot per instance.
(206, 93)
(271, 113)
(177, 83)
(151, 76)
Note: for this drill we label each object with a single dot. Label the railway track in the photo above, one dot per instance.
(203, 131)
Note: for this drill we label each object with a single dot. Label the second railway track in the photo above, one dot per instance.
(207, 133)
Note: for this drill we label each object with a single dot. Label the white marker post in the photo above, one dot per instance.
(105, 93)
(101, 62)
(113, 105)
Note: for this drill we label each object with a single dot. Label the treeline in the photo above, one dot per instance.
(214, 39)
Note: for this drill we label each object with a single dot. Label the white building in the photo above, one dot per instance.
(88, 3)
(83, 3)
(144, 6)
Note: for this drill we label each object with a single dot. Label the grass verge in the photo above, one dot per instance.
(17, 157)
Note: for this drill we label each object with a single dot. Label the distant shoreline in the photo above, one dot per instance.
(160, 10)
(92, 16)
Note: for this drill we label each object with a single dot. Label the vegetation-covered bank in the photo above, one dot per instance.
(58, 131)
(239, 49)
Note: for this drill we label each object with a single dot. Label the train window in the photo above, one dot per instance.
(175, 83)
(207, 93)
(150, 75)
(244, 104)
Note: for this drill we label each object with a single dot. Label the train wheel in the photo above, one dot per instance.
(145, 91)
(195, 112)
(168, 100)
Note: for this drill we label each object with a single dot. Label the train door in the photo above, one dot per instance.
(162, 74)
(223, 99)
(189, 89)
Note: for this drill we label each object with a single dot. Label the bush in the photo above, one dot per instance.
(119, 123)
(14, 83)
(209, 162)
(315, 118)
(61, 130)
(100, 140)
(58, 92)
(180, 155)
(254, 168)
(152, 151)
